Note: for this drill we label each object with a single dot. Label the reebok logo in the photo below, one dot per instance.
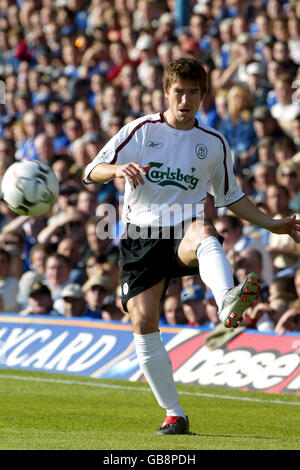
(154, 145)
(171, 178)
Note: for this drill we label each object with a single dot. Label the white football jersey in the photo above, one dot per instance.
(185, 165)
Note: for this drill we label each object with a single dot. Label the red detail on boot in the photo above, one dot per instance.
(233, 315)
(170, 420)
(228, 323)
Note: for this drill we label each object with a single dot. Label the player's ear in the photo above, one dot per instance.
(165, 92)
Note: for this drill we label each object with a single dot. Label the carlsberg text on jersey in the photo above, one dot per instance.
(174, 178)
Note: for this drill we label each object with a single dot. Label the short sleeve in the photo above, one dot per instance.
(120, 149)
(223, 185)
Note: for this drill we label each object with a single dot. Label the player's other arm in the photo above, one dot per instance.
(245, 209)
(132, 172)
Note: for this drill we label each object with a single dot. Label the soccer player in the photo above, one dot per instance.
(169, 163)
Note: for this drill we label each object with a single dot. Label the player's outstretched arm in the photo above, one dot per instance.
(132, 172)
(245, 209)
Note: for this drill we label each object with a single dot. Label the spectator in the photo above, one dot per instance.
(281, 293)
(146, 47)
(288, 175)
(166, 29)
(297, 282)
(9, 285)
(293, 39)
(87, 202)
(153, 77)
(110, 312)
(164, 53)
(112, 103)
(73, 301)
(242, 53)
(39, 301)
(193, 305)
(90, 122)
(284, 149)
(54, 129)
(285, 252)
(44, 148)
(221, 104)
(61, 166)
(198, 28)
(127, 78)
(264, 174)
(119, 55)
(289, 321)
(238, 127)
(273, 70)
(95, 289)
(247, 261)
(172, 311)
(70, 222)
(268, 311)
(7, 157)
(73, 130)
(135, 100)
(98, 245)
(57, 274)
(14, 242)
(265, 151)
(207, 113)
(72, 251)
(38, 256)
(27, 150)
(286, 109)
(79, 155)
(257, 84)
(231, 229)
(26, 282)
(115, 123)
(281, 54)
(211, 310)
(295, 132)
(265, 125)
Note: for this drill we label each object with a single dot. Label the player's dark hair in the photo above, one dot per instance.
(185, 69)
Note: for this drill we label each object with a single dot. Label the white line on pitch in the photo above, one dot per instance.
(144, 389)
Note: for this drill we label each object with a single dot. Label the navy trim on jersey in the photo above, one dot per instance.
(226, 185)
(132, 133)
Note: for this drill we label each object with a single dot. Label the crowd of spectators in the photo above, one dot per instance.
(75, 72)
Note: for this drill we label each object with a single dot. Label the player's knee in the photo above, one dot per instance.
(144, 320)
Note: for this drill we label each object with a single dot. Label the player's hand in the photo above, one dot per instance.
(132, 172)
(289, 225)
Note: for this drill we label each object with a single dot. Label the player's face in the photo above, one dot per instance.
(184, 98)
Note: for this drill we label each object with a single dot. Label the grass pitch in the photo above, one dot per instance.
(42, 411)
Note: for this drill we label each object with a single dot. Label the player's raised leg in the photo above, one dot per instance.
(200, 245)
(153, 358)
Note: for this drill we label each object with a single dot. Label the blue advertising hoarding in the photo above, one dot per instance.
(249, 360)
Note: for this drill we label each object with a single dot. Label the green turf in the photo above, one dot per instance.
(50, 413)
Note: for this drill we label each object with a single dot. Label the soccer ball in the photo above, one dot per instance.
(29, 187)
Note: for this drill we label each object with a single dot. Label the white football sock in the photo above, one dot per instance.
(214, 268)
(156, 365)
